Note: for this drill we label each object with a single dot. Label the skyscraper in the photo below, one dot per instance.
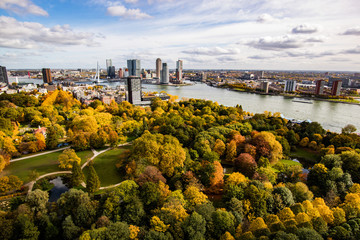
(319, 89)
(336, 87)
(111, 72)
(134, 67)
(3, 75)
(290, 86)
(121, 73)
(164, 74)
(265, 86)
(158, 68)
(134, 89)
(46, 75)
(179, 70)
(108, 64)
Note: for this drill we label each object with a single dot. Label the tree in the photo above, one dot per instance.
(217, 180)
(195, 227)
(37, 201)
(2, 163)
(219, 147)
(351, 164)
(150, 174)
(300, 191)
(40, 141)
(304, 142)
(25, 229)
(231, 151)
(308, 234)
(92, 181)
(118, 231)
(223, 221)
(67, 159)
(77, 176)
(8, 183)
(246, 164)
(265, 140)
(194, 197)
(348, 129)
(70, 230)
(53, 134)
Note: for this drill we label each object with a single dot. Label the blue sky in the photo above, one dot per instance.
(206, 34)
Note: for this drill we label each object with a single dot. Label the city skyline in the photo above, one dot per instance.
(271, 35)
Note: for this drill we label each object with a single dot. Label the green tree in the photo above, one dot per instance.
(37, 201)
(70, 230)
(195, 227)
(77, 176)
(223, 221)
(308, 234)
(118, 231)
(67, 159)
(92, 181)
(348, 129)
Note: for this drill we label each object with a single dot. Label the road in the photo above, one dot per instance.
(39, 154)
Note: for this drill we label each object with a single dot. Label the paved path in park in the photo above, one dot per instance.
(96, 153)
(39, 154)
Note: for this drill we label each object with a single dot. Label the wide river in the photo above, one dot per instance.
(332, 116)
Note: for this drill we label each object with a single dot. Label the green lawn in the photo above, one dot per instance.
(42, 164)
(305, 155)
(290, 162)
(104, 165)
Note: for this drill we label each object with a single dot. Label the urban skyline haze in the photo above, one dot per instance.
(207, 34)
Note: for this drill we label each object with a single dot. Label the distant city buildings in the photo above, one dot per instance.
(290, 86)
(158, 68)
(164, 74)
(126, 73)
(111, 72)
(264, 86)
(46, 73)
(319, 89)
(3, 75)
(133, 89)
(108, 63)
(179, 70)
(336, 88)
(121, 73)
(134, 67)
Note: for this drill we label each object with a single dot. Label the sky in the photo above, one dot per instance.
(205, 34)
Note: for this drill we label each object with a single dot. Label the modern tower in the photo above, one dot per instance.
(108, 64)
(3, 75)
(336, 87)
(265, 86)
(158, 68)
(290, 86)
(164, 74)
(46, 75)
(111, 72)
(121, 73)
(134, 67)
(319, 89)
(133, 89)
(179, 70)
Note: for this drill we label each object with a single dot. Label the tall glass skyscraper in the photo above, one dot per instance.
(3, 75)
(134, 67)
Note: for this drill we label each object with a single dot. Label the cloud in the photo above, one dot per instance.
(309, 54)
(352, 31)
(26, 35)
(265, 18)
(215, 51)
(121, 11)
(131, 1)
(352, 51)
(304, 29)
(259, 57)
(276, 43)
(22, 6)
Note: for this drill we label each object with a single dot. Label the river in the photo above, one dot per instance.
(332, 116)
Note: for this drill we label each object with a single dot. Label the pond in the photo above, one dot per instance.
(58, 189)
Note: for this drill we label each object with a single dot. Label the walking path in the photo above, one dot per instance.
(39, 154)
(96, 153)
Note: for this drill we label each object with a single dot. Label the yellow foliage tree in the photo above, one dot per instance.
(302, 219)
(219, 147)
(134, 231)
(257, 224)
(236, 178)
(158, 225)
(194, 197)
(351, 205)
(286, 214)
(324, 210)
(231, 151)
(67, 158)
(227, 236)
(339, 216)
(276, 151)
(355, 188)
(40, 141)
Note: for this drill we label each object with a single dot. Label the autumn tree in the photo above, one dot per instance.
(231, 152)
(246, 164)
(264, 139)
(92, 181)
(219, 147)
(67, 159)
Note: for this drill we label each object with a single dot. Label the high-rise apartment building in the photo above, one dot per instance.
(319, 89)
(46, 75)
(121, 73)
(134, 67)
(164, 74)
(108, 64)
(133, 89)
(336, 88)
(111, 72)
(179, 70)
(158, 68)
(3, 75)
(265, 86)
(290, 86)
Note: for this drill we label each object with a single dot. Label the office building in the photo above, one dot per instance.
(46, 75)
(264, 86)
(134, 67)
(108, 64)
(319, 89)
(336, 88)
(290, 86)
(179, 70)
(3, 75)
(164, 74)
(133, 89)
(126, 73)
(121, 73)
(158, 68)
(111, 72)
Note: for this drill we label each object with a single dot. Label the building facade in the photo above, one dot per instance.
(290, 86)
(265, 86)
(164, 74)
(179, 70)
(111, 72)
(158, 68)
(3, 75)
(108, 63)
(319, 89)
(46, 75)
(336, 88)
(134, 67)
(133, 89)
(121, 73)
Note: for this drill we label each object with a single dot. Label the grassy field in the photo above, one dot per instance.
(42, 164)
(305, 155)
(104, 165)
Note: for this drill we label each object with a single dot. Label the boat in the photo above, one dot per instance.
(303, 101)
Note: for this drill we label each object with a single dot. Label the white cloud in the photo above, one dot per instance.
(131, 1)
(212, 51)
(265, 18)
(304, 29)
(352, 51)
(121, 11)
(352, 31)
(24, 35)
(22, 6)
(276, 43)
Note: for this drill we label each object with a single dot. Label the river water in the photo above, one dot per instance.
(332, 116)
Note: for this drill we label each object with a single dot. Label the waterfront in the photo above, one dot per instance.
(332, 116)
